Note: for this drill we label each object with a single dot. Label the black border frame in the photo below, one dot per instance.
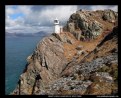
(40, 2)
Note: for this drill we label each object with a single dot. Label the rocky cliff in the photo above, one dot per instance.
(64, 64)
(89, 24)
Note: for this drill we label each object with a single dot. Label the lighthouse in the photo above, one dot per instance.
(57, 27)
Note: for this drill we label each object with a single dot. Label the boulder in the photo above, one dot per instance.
(101, 76)
(71, 27)
(110, 15)
(79, 47)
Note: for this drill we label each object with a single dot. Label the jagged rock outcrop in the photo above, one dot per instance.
(61, 64)
(110, 16)
(90, 23)
(65, 38)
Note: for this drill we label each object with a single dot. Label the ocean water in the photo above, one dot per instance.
(17, 49)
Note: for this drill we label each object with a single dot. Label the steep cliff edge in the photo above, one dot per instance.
(63, 64)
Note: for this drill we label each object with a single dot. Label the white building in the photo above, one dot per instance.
(57, 27)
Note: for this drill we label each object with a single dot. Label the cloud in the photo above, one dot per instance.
(36, 17)
(47, 14)
(100, 7)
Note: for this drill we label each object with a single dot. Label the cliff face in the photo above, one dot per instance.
(63, 64)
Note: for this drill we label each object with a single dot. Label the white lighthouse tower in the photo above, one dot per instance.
(57, 26)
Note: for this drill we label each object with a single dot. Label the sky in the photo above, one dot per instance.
(35, 18)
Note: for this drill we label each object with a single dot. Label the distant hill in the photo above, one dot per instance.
(40, 33)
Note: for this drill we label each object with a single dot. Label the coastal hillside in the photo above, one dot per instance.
(81, 60)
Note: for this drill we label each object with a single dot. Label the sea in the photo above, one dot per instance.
(17, 49)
